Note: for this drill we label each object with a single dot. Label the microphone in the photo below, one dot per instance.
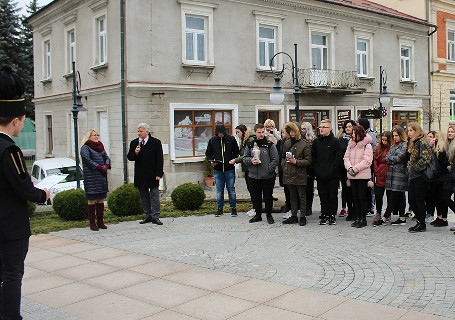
(140, 142)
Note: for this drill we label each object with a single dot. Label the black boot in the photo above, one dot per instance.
(256, 218)
(270, 219)
(356, 220)
(362, 222)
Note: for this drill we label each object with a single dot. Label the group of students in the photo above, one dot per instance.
(368, 167)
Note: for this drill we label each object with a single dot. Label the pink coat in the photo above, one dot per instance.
(359, 156)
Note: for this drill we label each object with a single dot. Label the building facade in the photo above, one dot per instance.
(183, 66)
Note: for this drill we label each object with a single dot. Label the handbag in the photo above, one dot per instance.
(433, 169)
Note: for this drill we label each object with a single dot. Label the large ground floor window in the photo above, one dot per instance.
(402, 118)
(193, 128)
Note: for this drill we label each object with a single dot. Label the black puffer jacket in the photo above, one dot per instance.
(326, 157)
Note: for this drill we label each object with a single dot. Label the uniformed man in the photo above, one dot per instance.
(16, 188)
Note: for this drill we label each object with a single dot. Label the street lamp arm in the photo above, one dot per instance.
(282, 70)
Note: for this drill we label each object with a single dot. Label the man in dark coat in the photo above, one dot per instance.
(16, 188)
(326, 155)
(222, 150)
(147, 154)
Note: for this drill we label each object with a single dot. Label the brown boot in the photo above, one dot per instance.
(100, 215)
(91, 217)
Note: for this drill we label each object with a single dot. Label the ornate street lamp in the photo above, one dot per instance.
(277, 94)
(77, 106)
(384, 97)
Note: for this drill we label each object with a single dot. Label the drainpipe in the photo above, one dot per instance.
(122, 88)
(430, 49)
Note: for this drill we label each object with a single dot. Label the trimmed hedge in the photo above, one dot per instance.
(125, 201)
(70, 204)
(31, 208)
(188, 196)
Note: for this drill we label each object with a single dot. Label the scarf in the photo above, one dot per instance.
(97, 146)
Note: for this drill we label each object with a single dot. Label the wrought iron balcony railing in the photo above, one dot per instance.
(336, 79)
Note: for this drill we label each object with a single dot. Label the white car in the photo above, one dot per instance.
(44, 168)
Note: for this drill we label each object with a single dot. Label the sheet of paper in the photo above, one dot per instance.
(51, 181)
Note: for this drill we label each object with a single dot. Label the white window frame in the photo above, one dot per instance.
(327, 29)
(451, 45)
(205, 11)
(70, 50)
(452, 105)
(47, 59)
(368, 54)
(47, 139)
(190, 106)
(100, 39)
(269, 20)
(409, 44)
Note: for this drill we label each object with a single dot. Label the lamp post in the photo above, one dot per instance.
(384, 97)
(77, 106)
(277, 94)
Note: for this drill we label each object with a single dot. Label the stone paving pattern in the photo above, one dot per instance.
(339, 265)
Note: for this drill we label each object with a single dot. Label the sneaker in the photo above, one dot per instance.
(251, 213)
(429, 218)
(233, 212)
(342, 213)
(270, 219)
(378, 223)
(219, 212)
(418, 228)
(440, 223)
(399, 222)
(287, 215)
(291, 220)
(452, 228)
(323, 222)
(332, 221)
(302, 221)
(256, 218)
(409, 214)
(370, 213)
(435, 221)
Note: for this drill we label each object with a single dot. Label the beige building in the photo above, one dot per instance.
(183, 66)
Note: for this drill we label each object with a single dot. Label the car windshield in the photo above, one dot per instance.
(70, 171)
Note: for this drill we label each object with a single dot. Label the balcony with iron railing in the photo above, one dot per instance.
(341, 81)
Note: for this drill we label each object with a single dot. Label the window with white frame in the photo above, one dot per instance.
(319, 51)
(101, 40)
(451, 45)
(405, 58)
(452, 104)
(362, 48)
(49, 138)
(71, 49)
(47, 59)
(196, 38)
(197, 33)
(267, 45)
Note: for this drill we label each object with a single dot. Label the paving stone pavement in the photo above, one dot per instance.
(384, 265)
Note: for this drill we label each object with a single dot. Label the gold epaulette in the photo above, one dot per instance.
(18, 162)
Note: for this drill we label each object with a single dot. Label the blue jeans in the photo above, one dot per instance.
(150, 198)
(12, 256)
(225, 178)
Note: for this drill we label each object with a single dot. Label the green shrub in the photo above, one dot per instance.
(188, 196)
(31, 207)
(70, 204)
(125, 201)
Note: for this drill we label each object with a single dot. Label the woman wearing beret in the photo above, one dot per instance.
(95, 162)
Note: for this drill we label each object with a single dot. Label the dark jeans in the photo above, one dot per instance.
(416, 192)
(225, 178)
(287, 195)
(346, 193)
(431, 196)
(12, 256)
(263, 187)
(379, 198)
(396, 202)
(150, 198)
(298, 199)
(309, 191)
(328, 193)
(359, 189)
(443, 200)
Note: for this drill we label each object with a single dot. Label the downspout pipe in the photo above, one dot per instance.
(122, 89)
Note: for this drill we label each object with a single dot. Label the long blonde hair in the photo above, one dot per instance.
(419, 134)
(451, 145)
(441, 142)
(87, 135)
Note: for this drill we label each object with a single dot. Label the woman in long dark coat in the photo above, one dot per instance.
(95, 162)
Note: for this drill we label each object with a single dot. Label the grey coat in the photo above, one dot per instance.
(397, 178)
(269, 160)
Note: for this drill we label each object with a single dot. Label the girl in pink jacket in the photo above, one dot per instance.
(357, 161)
